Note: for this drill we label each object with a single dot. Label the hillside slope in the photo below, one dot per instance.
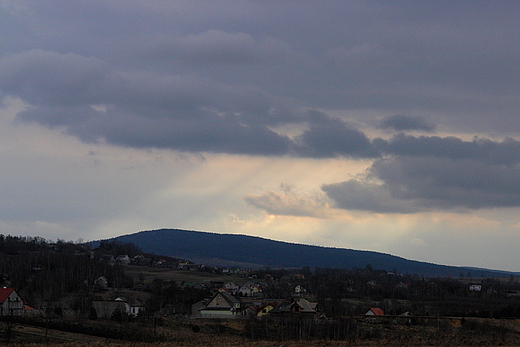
(241, 250)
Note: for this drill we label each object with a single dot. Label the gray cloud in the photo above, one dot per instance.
(427, 173)
(402, 122)
(48, 78)
(139, 109)
(366, 196)
(331, 138)
(216, 47)
(445, 183)
(497, 152)
(455, 63)
(94, 102)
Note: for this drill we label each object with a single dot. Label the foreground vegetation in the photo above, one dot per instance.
(352, 331)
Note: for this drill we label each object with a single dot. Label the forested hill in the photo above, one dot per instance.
(241, 250)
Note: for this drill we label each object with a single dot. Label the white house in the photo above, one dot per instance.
(373, 314)
(475, 287)
(222, 305)
(299, 290)
(250, 289)
(11, 304)
(231, 287)
(123, 259)
(105, 308)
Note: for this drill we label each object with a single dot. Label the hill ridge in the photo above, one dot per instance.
(211, 248)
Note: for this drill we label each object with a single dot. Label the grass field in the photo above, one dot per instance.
(147, 273)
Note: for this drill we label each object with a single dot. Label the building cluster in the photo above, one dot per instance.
(225, 305)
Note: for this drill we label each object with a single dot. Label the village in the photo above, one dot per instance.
(253, 297)
(104, 287)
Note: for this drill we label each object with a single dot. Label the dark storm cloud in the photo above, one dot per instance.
(411, 185)
(455, 62)
(333, 138)
(138, 109)
(434, 173)
(48, 78)
(402, 122)
(480, 149)
(445, 183)
(366, 196)
(186, 112)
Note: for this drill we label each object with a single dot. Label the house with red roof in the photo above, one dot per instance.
(375, 311)
(373, 314)
(11, 304)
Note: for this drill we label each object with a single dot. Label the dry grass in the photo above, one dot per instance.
(472, 332)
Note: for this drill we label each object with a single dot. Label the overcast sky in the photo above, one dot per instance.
(391, 126)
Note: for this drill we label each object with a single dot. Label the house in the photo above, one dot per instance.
(475, 287)
(375, 311)
(402, 285)
(11, 304)
(262, 310)
(250, 289)
(296, 306)
(231, 287)
(106, 308)
(374, 314)
(29, 311)
(160, 262)
(213, 286)
(243, 272)
(123, 259)
(101, 283)
(222, 305)
(299, 290)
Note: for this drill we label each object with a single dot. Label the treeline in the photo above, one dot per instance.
(42, 271)
(116, 248)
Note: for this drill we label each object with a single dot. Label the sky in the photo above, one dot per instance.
(390, 126)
